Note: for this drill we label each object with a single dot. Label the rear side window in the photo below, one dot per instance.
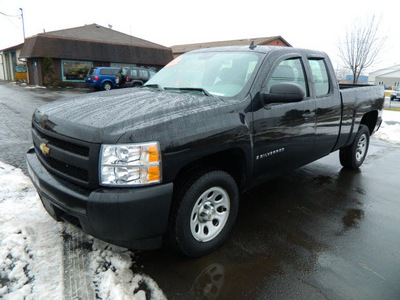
(134, 73)
(144, 74)
(108, 72)
(320, 77)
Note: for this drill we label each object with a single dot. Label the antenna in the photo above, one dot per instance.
(252, 46)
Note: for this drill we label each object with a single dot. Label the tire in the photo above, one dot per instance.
(107, 86)
(204, 213)
(352, 156)
(118, 79)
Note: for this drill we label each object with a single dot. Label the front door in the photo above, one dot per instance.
(284, 133)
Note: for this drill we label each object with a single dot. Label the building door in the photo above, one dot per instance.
(8, 67)
(35, 72)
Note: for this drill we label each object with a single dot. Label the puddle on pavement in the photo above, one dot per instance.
(352, 217)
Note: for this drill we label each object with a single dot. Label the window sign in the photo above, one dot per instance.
(73, 70)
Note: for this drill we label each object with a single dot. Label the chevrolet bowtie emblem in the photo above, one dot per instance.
(45, 150)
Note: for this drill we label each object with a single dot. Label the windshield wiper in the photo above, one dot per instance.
(157, 86)
(189, 89)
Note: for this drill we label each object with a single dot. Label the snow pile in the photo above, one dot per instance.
(31, 251)
(390, 128)
(113, 277)
(30, 241)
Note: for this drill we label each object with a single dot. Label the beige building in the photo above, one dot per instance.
(12, 68)
(389, 77)
(270, 41)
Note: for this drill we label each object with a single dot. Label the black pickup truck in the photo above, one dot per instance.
(168, 161)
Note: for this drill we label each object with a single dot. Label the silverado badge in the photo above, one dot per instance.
(45, 150)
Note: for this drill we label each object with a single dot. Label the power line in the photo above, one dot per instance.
(17, 16)
(13, 24)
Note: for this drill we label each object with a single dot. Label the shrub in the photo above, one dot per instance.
(49, 74)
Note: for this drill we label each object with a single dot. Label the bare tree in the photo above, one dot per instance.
(341, 73)
(361, 46)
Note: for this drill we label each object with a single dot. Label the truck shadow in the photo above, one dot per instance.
(281, 229)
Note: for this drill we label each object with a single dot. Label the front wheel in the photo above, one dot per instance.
(205, 210)
(352, 156)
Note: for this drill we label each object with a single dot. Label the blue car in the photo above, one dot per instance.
(102, 78)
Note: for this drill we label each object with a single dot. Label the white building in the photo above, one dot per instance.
(389, 77)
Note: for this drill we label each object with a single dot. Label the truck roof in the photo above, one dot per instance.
(262, 49)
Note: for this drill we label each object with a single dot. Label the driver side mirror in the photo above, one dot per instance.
(284, 92)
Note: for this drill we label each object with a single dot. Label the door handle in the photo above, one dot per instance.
(308, 114)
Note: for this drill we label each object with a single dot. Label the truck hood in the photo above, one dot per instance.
(103, 117)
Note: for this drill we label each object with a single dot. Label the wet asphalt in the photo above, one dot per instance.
(319, 232)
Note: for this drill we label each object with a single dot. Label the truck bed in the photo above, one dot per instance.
(357, 101)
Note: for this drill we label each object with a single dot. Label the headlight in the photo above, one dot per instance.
(130, 164)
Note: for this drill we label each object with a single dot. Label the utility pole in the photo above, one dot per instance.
(23, 25)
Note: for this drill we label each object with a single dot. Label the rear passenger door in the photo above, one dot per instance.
(328, 105)
(284, 133)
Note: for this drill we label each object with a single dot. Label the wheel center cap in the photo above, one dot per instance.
(206, 212)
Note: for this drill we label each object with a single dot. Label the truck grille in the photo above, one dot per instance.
(73, 160)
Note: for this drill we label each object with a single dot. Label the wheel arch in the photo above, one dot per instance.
(370, 120)
(232, 161)
(107, 81)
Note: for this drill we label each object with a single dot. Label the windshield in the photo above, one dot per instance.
(223, 74)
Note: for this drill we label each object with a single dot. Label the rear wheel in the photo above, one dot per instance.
(205, 210)
(352, 156)
(107, 86)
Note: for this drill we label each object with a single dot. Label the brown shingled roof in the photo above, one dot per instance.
(16, 47)
(94, 42)
(97, 33)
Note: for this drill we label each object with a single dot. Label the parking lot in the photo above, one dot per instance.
(319, 232)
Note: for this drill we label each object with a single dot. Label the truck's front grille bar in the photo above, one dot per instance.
(71, 159)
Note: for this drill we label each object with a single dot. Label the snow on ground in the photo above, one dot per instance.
(390, 128)
(30, 241)
(31, 251)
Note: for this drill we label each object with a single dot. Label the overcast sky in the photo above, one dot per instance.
(307, 24)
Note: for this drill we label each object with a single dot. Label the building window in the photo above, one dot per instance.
(74, 70)
(396, 84)
(120, 65)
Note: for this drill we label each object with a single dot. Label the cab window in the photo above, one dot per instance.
(289, 70)
(320, 77)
